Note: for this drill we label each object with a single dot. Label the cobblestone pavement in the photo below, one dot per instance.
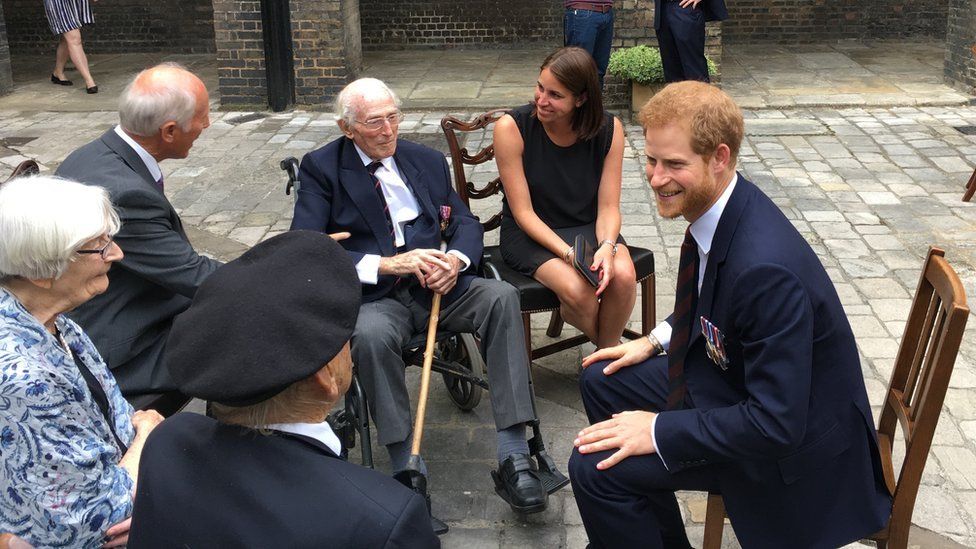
(871, 188)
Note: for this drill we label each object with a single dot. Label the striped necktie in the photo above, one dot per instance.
(685, 301)
(372, 167)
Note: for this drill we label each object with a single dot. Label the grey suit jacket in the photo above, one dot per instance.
(155, 280)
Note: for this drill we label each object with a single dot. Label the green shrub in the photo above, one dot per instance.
(642, 64)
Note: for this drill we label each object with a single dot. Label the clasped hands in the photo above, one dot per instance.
(435, 269)
(629, 433)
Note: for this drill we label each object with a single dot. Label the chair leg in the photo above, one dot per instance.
(970, 188)
(527, 333)
(648, 305)
(555, 324)
(714, 522)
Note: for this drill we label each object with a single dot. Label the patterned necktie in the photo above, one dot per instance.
(684, 307)
(372, 167)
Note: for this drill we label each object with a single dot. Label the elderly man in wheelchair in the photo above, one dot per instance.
(392, 197)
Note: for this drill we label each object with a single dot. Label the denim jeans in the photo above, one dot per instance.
(592, 31)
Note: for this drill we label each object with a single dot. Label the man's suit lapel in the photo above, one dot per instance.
(720, 248)
(361, 189)
(130, 157)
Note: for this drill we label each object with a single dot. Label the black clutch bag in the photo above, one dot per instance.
(583, 258)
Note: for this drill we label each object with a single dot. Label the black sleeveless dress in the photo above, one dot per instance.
(563, 184)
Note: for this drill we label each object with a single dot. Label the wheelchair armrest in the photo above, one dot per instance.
(488, 270)
(290, 166)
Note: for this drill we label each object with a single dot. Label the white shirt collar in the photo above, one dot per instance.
(147, 158)
(321, 432)
(387, 162)
(703, 229)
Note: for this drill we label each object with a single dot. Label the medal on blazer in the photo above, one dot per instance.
(714, 344)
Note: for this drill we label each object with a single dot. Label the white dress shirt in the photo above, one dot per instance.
(703, 231)
(321, 432)
(403, 207)
(147, 158)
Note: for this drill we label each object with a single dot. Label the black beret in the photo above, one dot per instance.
(271, 317)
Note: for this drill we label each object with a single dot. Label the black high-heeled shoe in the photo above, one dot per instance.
(93, 89)
(56, 80)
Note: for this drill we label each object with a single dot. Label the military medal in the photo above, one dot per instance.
(714, 344)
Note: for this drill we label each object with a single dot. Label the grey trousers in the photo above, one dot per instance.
(489, 308)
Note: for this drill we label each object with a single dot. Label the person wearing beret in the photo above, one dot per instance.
(391, 195)
(265, 471)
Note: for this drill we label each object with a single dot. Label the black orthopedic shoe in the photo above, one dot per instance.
(517, 482)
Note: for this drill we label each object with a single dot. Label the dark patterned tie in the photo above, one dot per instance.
(372, 167)
(684, 307)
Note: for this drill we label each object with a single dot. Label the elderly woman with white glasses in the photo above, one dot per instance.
(69, 442)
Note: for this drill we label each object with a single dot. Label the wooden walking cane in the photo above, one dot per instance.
(412, 477)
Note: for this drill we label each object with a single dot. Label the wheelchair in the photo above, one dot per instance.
(459, 360)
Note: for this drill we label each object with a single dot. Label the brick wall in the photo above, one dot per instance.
(430, 23)
(325, 38)
(791, 21)
(6, 78)
(960, 65)
(179, 26)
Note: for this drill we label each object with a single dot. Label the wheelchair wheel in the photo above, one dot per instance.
(463, 350)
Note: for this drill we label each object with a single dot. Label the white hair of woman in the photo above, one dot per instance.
(345, 107)
(44, 220)
(156, 96)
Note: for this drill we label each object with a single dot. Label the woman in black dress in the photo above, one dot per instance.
(560, 160)
(66, 17)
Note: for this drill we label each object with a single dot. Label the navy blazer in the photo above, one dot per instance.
(207, 484)
(337, 194)
(713, 10)
(789, 417)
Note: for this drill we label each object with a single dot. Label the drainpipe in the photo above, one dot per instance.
(279, 60)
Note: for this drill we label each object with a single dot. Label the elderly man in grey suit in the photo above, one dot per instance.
(161, 113)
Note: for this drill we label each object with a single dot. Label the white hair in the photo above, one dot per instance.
(145, 107)
(44, 220)
(345, 107)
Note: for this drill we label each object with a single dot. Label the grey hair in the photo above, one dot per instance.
(43, 222)
(344, 107)
(144, 108)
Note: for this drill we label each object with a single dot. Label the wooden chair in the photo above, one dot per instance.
(914, 399)
(534, 297)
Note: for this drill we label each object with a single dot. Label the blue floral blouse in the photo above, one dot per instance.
(61, 482)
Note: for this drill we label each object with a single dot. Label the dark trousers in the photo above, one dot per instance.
(681, 39)
(592, 31)
(632, 504)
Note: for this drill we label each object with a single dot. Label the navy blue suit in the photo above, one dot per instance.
(209, 484)
(337, 194)
(681, 37)
(785, 433)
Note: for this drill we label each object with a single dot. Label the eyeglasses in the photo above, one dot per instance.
(103, 251)
(377, 123)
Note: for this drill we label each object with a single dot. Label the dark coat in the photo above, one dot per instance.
(337, 194)
(207, 484)
(155, 280)
(713, 10)
(787, 427)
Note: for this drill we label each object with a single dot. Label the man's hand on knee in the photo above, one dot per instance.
(420, 263)
(628, 432)
(625, 354)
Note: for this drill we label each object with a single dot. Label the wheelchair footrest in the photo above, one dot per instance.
(552, 479)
